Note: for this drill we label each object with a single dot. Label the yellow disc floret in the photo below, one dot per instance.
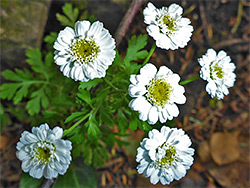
(169, 158)
(158, 92)
(44, 152)
(84, 50)
(216, 69)
(170, 23)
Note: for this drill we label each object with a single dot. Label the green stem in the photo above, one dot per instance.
(149, 54)
(67, 131)
(189, 80)
(110, 84)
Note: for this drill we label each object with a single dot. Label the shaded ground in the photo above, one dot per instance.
(215, 26)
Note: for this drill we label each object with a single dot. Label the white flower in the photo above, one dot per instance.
(167, 26)
(43, 152)
(86, 52)
(218, 72)
(156, 94)
(165, 155)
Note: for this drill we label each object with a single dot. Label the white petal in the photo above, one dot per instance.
(163, 71)
(81, 27)
(95, 28)
(175, 9)
(58, 132)
(153, 115)
(154, 179)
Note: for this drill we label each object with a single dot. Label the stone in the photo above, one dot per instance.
(22, 27)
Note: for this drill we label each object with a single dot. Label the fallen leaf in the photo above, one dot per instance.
(233, 175)
(224, 147)
(204, 151)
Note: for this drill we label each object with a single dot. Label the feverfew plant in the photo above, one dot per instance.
(97, 89)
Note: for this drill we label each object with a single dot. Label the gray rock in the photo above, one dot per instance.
(22, 27)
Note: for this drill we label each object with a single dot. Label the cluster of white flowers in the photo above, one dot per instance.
(86, 52)
(43, 152)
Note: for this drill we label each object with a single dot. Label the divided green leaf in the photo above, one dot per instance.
(135, 46)
(71, 15)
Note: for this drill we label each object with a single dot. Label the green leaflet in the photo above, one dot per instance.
(135, 46)
(28, 182)
(70, 17)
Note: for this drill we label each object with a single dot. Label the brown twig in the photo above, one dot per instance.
(48, 183)
(231, 42)
(127, 20)
(204, 20)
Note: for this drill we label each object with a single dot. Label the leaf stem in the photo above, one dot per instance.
(150, 53)
(67, 131)
(110, 84)
(190, 80)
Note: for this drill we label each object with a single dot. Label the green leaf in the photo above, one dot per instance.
(97, 159)
(122, 121)
(22, 92)
(133, 124)
(16, 76)
(8, 90)
(49, 60)
(28, 182)
(85, 96)
(87, 154)
(63, 20)
(90, 84)
(70, 12)
(71, 15)
(103, 152)
(36, 62)
(93, 130)
(51, 38)
(38, 99)
(78, 175)
(136, 44)
(74, 116)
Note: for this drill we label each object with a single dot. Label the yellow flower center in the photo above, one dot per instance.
(158, 92)
(169, 158)
(84, 50)
(44, 152)
(216, 69)
(169, 22)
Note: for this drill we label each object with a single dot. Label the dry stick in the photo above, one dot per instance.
(231, 42)
(204, 20)
(127, 20)
(48, 183)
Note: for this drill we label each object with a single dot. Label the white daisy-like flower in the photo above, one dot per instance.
(156, 94)
(86, 52)
(167, 27)
(43, 152)
(217, 70)
(165, 156)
